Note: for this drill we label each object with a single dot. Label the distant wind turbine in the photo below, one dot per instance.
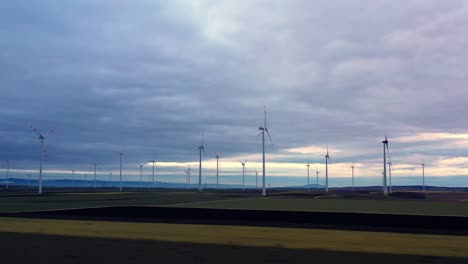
(317, 172)
(152, 177)
(95, 178)
(243, 174)
(352, 174)
(42, 138)
(141, 173)
(217, 170)
(390, 174)
(423, 165)
(327, 157)
(264, 129)
(308, 176)
(200, 148)
(384, 177)
(8, 174)
(189, 176)
(73, 178)
(256, 179)
(120, 179)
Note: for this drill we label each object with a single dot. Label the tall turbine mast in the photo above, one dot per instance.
(201, 148)
(73, 178)
(264, 129)
(243, 174)
(152, 177)
(256, 179)
(352, 174)
(189, 176)
(217, 171)
(120, 173)
(42, 138)
(308, 176)
(327, 157)
(95, 178)
(384, 177)
(317, 172)
(423, 165)
(141, 173)
(8, 174)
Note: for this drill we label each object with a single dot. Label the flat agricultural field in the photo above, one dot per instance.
(396, 206)
(282, 201)
(65, 199)
(349, 246)
(104, 241)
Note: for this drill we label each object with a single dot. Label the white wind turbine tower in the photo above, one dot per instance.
(384, 176)
(327, 157)
(200, 148)
(264, 129)
(154, 162)
(217, 170)
(141, 173)
(73, 178)
(390, 172)
(8, 174)
(256, 179)
(95, 178)
(189, 176)
(317, 172)
(308, 176)
(186, 176)
(423, 165)
(42, 138)
(120, 173)
(243, 174)
(352, 174)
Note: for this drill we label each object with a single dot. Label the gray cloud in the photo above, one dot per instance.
(149, 76)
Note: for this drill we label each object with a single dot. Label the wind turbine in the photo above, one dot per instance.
(120, 179)
(308, 179)
(317, 172)
(152, 179)
(243, 174)
(42, 138)
(423, 165)
(189, 176)
(384, 177)
(73, 178)
(352, 174)
(8, 174)
(390, 173)
(141, 173)
(327, 157)
(200, 148)
(256, 179)
(95, 178)
(186, 177)
(264, 129)
(217, 170)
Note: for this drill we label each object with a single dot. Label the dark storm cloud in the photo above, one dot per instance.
(148, 77)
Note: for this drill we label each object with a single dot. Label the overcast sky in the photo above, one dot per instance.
(147, 77)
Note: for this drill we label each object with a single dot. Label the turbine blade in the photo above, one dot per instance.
(50, 132)
(268, 133)
(35, 130)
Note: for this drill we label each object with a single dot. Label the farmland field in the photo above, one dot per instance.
(106, 241)
(400, 206)
(64, 199)
(262, 237)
